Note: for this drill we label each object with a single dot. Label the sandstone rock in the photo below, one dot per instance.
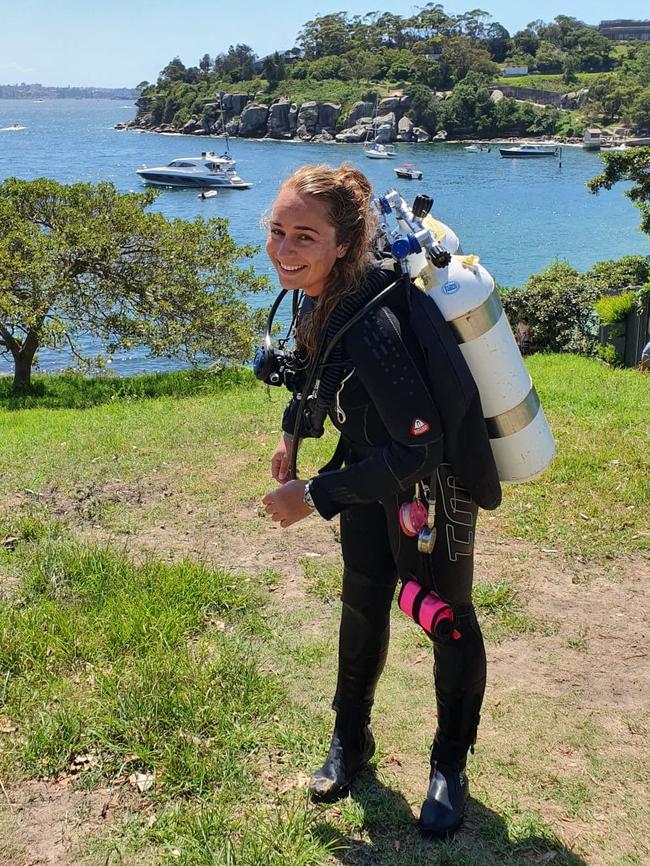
(405, 102)
(422, 136)
(190, 127)
(232, 127)
(303, 133)
(234, 103)
(574, 100)
(308, 118)
(358, 110)
(352, 135)
(441, 135)
(405, 129)
(293, 118)
(385, 119)
(253, 120)
(496, 96)
(385, 133)
(389, 104)
(324, 137)
(328, 114)
(278, 120)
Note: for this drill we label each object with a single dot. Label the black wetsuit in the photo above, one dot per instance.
(393, 436)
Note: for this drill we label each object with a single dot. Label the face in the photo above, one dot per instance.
(302, 243)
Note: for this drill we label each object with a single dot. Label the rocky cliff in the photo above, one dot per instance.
(239, 114)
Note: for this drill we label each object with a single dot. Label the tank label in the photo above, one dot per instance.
(450, 287)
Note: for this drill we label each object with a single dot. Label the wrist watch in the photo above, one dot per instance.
(307, 497)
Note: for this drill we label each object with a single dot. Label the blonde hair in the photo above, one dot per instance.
(345, 192)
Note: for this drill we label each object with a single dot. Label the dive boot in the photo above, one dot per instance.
(442, 811)
(352, 746)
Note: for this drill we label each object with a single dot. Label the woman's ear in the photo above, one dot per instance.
(341, 250)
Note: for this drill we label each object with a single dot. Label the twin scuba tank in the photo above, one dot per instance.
(465, 294)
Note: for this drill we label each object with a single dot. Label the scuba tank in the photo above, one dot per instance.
(465, 294)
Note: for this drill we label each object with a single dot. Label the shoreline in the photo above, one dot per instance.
(267, 139)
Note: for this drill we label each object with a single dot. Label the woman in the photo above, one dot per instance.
(394, 436)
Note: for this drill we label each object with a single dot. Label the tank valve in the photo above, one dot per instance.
(422, 205)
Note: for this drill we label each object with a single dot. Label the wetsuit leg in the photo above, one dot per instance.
(369, 580)
(460, 665)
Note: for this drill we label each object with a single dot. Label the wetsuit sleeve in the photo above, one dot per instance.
(289, 416)
(400, 396)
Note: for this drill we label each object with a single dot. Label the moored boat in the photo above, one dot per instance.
(205, 171)
(379, 151)
(530, 151)
(408, 172)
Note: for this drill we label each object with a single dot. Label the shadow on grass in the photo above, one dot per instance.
(75, 391)
(391, 837)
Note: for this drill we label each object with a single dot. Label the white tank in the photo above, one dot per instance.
(465, 293)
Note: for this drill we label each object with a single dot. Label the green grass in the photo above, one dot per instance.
(75, 391)
(593, 501)
(322, 577)
(548, 82)
(126, 463)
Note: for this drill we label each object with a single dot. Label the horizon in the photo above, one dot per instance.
(41, 45)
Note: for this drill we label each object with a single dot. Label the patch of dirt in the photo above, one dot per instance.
(45, 822)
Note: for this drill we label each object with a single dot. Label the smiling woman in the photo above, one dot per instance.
(399, 448)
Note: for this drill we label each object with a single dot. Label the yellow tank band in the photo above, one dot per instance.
(477, 322)
(514, 419)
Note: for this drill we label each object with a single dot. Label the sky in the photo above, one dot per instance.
(119, 43)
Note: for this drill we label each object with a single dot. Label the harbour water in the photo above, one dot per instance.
(517, 215)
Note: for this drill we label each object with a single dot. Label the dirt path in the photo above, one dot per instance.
(587, 664)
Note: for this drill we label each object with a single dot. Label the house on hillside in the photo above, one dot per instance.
(624, 28)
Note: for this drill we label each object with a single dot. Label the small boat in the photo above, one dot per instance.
(15, 127)
(205, 171)
(620, 146)
(379, 151)
(530, 151)
(208, 193)
(408, 172)
(478, 148)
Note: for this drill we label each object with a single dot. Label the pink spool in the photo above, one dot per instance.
(428, 610)
(412, 517)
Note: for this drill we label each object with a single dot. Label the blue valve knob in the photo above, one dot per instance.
(383, 204)
(400, 248)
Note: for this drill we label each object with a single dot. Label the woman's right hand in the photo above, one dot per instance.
(281, 459)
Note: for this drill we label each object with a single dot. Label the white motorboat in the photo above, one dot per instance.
(205, 171)
(408, 172)
(530, 151)
(478, 148)
(15, 127)
(379, 151)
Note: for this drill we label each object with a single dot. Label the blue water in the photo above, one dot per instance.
(517, 215)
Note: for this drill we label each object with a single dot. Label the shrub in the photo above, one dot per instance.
(616, 274)
(615, 308)
(558, 304)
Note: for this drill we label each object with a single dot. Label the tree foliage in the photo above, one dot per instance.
(83, 259)
(632, 166)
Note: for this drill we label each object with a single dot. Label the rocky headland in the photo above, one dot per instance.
(240, 114)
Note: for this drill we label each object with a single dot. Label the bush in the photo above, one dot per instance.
(616, 274)
(558, 304)
(615, 308)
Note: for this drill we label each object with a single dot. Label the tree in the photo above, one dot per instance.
(632, 166)
(327, 34)
(205, 64)
(83, 259)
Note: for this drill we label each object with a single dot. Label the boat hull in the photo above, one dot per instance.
(154, 178)
(514, 154)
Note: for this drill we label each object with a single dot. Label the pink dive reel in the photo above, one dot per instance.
(412, 517)
(428, 610)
